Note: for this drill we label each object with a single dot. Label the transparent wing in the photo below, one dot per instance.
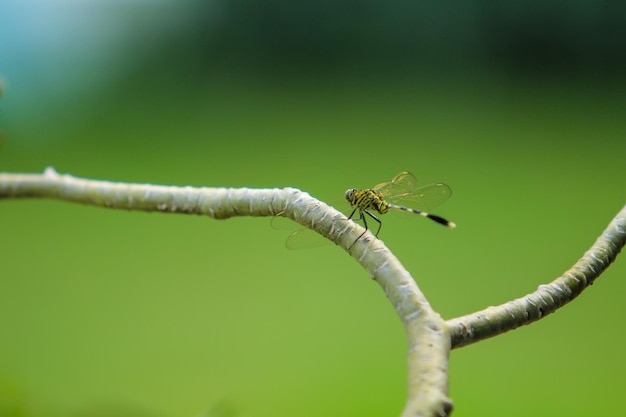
(300, 236)
(402, 183)
(279, 222)
(423, 198)
(401, 190)
(305, 239)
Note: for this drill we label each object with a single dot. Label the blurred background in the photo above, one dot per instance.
(518, 106)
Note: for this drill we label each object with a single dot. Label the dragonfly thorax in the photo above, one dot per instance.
(367, 200)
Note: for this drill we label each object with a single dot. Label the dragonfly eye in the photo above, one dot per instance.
(350, 195)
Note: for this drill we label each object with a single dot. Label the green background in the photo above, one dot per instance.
(107, 312)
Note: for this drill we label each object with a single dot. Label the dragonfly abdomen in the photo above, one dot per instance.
(432, 217)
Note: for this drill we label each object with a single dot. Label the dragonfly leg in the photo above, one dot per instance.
(361, 217)
(362, 214)
(352, 214)
(376, 219)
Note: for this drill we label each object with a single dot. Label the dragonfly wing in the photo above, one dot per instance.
(300, 237)
(305, 239)
(423, 198)
(403, 183)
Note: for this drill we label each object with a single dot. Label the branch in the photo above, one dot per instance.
(427, 334)
(495, 320)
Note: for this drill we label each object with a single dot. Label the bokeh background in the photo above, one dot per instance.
(518, 106)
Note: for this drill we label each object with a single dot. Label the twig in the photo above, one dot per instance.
(427, 335)
(532, 307)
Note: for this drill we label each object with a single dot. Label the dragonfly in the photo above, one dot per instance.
(400, 193)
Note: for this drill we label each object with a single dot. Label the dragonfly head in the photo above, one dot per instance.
(351, 196)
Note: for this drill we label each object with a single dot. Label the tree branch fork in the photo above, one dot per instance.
(430, 338)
